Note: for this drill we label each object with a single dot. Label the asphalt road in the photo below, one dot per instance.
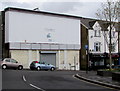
(15, 80)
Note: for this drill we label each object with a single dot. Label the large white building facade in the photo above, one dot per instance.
(41, 36)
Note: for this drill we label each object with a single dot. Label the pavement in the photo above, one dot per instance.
(91, 76)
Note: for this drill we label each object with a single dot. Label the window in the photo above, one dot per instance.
(113, 47)
(97, 47)
(13, 61)
(99, 62)
(113, 34)
(97, 33)
(7, 60)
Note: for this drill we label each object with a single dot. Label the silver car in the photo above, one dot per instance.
(10, 63)
(41, 66)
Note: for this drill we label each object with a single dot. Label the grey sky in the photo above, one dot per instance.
(77, 8)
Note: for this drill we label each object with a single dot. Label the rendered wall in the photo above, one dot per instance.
(63, 58)
(41, 28)
(102, 39)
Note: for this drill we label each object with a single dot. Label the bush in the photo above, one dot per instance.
(112, 70)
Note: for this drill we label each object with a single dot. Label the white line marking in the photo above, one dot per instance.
(24, 78)
(36, 87)
(32, 84)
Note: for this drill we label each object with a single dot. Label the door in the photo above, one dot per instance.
(7, 62)
(14, 63)
(49, 58)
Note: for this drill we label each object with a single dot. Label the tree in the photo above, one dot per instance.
(109, 13)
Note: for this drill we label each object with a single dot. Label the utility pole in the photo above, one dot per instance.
(119, 30)
(119, 27)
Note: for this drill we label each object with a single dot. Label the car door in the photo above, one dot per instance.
(47, 66)
(14, 63)
(43, 65)
(7, 62)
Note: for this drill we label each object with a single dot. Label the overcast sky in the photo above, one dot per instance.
(82, 8)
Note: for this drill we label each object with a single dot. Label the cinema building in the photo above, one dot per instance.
(41, 36)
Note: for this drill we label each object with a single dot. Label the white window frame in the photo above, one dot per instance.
(97, 33)
(97, 46)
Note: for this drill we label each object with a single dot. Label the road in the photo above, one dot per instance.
(15, 80)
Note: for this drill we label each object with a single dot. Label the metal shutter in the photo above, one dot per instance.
(49, 58)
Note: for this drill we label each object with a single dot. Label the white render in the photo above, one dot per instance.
(41, 28)
(104, 44)
(29, 34)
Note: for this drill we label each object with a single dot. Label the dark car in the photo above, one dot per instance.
(41, 66)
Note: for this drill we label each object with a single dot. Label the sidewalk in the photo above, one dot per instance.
(91, 76)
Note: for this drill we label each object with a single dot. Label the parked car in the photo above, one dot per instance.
(10, 63)
(41, 66)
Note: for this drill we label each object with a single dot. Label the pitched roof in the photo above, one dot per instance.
(88, 22)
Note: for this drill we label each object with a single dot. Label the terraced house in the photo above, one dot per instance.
(98, 42)
(62, 40)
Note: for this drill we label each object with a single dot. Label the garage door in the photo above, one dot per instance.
(49, 58)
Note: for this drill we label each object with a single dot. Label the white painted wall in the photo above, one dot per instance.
(34, 28)
(93, 39)
(104, 46)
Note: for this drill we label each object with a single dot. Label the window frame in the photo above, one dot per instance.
(97, 33)
(113, 47)
(97, 46)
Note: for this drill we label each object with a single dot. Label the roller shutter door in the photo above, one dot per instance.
(49, 58)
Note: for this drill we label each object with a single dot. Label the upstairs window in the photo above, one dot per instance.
(113, 47)
(97, 33)
(113, 34)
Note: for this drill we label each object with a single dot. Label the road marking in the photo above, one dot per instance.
(24, 78)
(93, 83)
(37, 87)
(32, 84)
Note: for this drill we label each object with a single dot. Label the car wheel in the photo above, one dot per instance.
(20, 67)
(4, 66)
(38, 68)
(52, 69)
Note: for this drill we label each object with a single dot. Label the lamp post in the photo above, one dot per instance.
(119, 39)
(87, 58)
(119, 36)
